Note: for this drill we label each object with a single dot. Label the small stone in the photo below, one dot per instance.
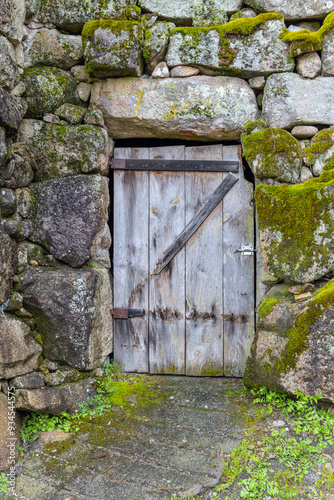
(53, 436)
(243, 13)
(52, 366)
(84, 90)
(309, 65)
(12, 110)
(303, 296)
(54, 379)
(18, 90)
(294, 28)
(35, 26)
(278, 423)
(33, 380)
(305, 174)
(51, 118)
(94, 117)
(98, 372)
(33, 263)
(71, 113)
(149, 20)
(156, 44)
(329, 467)
(102, 258)
(19, 352)
(23, 197)
(300, 289)
(257, 83)
(4, 386)
(23, 313)
(161, 71)
(15, 303)
(79, 73)
(304, 131)
(183, 71)
(327, 54)
(309, 26)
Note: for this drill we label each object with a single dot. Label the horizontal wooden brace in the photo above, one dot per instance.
(178, 165)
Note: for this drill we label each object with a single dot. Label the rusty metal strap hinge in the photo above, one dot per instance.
(122, 313)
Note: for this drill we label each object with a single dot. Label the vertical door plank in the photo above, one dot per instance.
(204, 271)
(238, 230)
(167, 290)
(131, 263)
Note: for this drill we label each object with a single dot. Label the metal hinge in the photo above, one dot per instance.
(246, 250)
(122, 313)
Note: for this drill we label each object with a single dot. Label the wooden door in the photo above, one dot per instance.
(199, 309)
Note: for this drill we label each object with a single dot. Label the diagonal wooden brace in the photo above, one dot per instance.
(196, 222)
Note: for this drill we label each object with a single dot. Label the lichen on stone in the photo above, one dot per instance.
(113, 48)
(272, 153)
(227, 48)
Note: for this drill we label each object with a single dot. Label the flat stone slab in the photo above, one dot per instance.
(198, 107)
(176, 442)
(289, 100)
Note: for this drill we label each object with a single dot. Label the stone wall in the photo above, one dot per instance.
(77, 75)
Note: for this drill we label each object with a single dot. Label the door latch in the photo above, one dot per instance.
(246, 250)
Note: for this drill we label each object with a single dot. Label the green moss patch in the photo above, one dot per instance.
(307, 41)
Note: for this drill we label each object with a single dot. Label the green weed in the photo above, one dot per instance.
(3, 482)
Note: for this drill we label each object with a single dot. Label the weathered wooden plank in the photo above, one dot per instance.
(131, 263)
(204, 272)
(214, 199)
(167, 291)
(131, 153)
(238, 230)
(180, 165)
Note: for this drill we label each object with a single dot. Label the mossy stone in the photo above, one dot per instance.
(293, 347)
(272, 153)
(320, 152)
(47, 89)
(237, 48)
(296, 228)
(113, 48)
